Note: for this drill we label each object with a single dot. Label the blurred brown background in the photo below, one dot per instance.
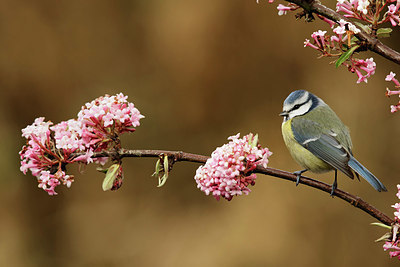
(199, 71)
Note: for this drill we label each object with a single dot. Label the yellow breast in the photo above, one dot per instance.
(303, 157)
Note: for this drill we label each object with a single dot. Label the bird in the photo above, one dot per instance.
(318, 140)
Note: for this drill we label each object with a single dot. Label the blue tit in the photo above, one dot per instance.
(318, 140)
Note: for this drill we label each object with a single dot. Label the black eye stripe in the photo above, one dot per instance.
(298, 106)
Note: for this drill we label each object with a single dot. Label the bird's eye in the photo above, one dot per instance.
(296, 106)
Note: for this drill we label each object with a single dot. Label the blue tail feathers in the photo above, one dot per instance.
(366, 174)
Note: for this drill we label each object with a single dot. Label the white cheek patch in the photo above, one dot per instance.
(301, 110)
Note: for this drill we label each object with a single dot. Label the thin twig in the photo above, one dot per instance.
(183, 156)
(373, 44)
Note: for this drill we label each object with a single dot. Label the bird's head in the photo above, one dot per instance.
(299, 103)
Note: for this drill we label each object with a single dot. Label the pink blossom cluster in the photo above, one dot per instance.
(50, 148)
(105, 118)
(67, 135)
(228, 172)
(337, 45)
(363, 68)
(370, 11)
(341, 29)
(391, 78)
(393, 14)
(353, 8)
(394, 245)
(39, 156)
(333, 46)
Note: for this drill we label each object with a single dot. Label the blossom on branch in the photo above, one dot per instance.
(391, 78)
(353, 8)
(282, 9)
(67, 135)
(358, 65)
(393, 245)
(49, 148)
(228, 172)
(393, 14)
(45, 156)
(366, 14)
(338, 46)
(105, 118)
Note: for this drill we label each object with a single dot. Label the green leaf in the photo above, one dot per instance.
(381, 225)
(158, 168)
(385, 237)
(384, 32)
(162, 180)
(111, 175)
(346, 55)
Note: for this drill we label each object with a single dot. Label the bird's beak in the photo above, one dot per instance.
(283, 114)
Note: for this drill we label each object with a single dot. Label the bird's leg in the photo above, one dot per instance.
(298, 174)
(334, 185)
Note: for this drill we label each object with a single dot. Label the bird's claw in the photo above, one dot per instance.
(298, 175)
(333, 190)
(334, 184)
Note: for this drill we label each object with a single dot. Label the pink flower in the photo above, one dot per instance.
(48, 182)
(390, 76)
(394, 247)
(363, 6)
(339, 30)
(49, 148)
(228, 172)
(394, 244)
(319, 38)
(394, 108)
(39, 131)
(389, 93)
(68, 135)
(393, 17)
(283, 9)
(361, 77)
(345, 7)
(334, 39)
(48, 151)
(358, 65)
(105, 118)
(353, 8)
(307, 43)
(368, 66)
(87, 158)
(398, 189)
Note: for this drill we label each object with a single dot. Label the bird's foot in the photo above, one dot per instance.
(298, 174)
(333, 190)
(334, 184)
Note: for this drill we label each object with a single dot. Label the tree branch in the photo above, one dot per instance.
(183, 156)
(373, 44)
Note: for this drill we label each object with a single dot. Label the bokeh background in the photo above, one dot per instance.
(199, 71)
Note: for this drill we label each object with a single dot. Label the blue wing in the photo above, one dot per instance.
(322, 144)
(325, 146)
